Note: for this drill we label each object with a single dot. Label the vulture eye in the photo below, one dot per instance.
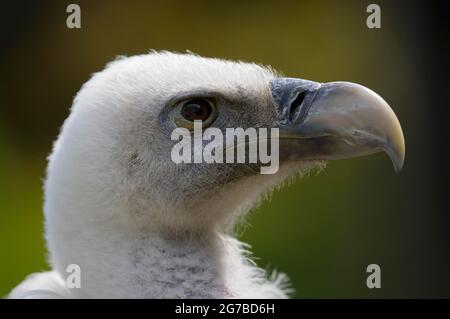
(196, 109)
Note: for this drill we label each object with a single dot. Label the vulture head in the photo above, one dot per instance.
(140, 225)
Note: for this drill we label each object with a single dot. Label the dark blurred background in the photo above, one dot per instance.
(324, 230)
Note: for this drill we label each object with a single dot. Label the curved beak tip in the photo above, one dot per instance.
(397, 160)
(396, 152)
(339, 120)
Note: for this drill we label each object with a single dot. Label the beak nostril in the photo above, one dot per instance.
(294, 109)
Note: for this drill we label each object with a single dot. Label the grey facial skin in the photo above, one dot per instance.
(335, 120)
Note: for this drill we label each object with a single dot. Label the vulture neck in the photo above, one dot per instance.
(151, 265)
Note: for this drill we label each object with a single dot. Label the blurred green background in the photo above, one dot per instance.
(322, 231)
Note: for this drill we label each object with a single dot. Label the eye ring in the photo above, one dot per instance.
(194, 109)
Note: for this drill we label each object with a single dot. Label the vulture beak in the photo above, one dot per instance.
(335, 120)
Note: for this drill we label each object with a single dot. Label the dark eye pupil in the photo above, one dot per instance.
(196, 110)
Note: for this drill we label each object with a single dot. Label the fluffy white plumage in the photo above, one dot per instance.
(115, 206)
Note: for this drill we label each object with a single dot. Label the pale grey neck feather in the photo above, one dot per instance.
(149, 266)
